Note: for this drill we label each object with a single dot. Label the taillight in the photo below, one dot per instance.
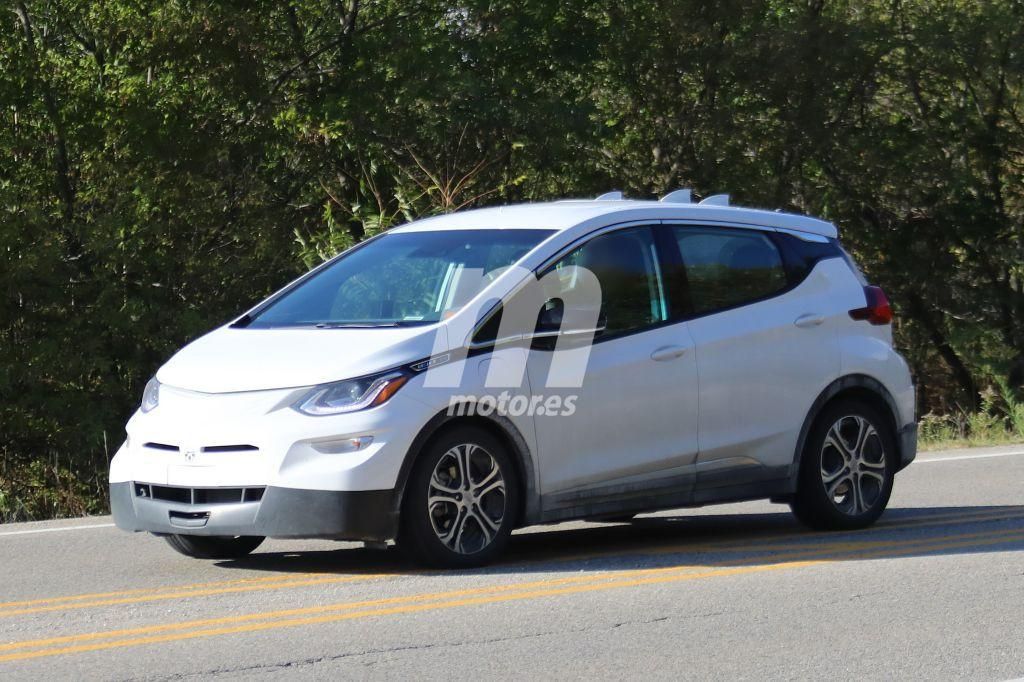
(877, 311)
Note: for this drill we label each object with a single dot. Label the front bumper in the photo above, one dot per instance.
(369, 515)
(908, 445)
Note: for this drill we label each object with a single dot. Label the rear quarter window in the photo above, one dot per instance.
(801, 255)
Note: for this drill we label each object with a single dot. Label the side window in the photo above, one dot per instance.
(726, 268)
(625, 263)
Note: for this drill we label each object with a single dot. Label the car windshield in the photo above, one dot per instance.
(400, 279)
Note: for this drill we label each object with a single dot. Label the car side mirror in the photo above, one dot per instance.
(549, 319)
(555, 320)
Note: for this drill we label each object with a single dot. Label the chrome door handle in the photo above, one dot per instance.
(808, 320)
(668, 353)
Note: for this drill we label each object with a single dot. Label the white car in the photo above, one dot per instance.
(390, 394)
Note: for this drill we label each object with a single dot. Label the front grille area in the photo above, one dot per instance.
(171, 493)
(161, 446)
(241, 447)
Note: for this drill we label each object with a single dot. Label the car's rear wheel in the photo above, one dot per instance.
(461, 501)
(846, 470)
(212, 546)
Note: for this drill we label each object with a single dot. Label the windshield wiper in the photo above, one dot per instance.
(353, 325)
(370, 325)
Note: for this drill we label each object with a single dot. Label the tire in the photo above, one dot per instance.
(213, 547)
(846, 473)
(450, 520)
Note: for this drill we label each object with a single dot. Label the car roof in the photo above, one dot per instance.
(566, 214)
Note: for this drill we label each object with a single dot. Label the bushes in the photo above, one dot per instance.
(42, 489)
(1000, 420)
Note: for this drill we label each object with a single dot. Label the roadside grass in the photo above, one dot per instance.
(39, 490)
(947, 432)
(1000, 421)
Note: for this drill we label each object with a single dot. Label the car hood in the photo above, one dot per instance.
(230, 360)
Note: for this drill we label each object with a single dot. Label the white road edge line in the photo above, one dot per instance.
(960, 457)
(55, 530)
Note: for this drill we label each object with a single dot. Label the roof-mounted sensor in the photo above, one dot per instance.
(680, 196)
(716, 200)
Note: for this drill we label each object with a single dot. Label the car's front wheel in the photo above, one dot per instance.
(461, 501)
(213, 547)
(847, 467)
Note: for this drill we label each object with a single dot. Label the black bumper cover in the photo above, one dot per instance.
(282, 513)
(908, 445)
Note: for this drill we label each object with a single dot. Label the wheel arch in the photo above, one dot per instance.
(501, 428)
(852, 386)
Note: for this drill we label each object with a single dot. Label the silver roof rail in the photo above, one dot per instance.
(610, 196)
(716, 200)
(680, 196)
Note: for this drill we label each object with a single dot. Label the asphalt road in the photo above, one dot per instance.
(934, 591)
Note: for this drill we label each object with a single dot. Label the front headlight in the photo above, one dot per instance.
(150, 395)
(351, 395)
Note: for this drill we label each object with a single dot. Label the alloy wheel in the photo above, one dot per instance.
(853, 465)
(466, 498)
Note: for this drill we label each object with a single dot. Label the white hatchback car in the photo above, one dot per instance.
(389, 394)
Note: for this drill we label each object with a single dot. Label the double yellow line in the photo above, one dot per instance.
(609, 580)
(280, 582)
(85, 601)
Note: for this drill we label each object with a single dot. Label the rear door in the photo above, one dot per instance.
(764, 348)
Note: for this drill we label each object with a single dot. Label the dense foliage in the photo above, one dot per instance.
(163, 165)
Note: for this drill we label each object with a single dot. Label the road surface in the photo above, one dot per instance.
(936, 590)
